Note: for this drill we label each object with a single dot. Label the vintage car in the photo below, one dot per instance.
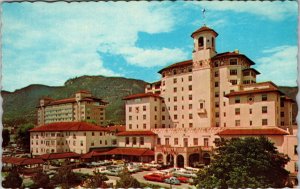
(172, 180)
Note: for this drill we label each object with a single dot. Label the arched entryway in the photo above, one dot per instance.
(180, 161)
(170, 160)
(159, 158)
(194, 159)
(206, 159)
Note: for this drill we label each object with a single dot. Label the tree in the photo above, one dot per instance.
(245, 163)
(13, 179)
(97, 180)
(23, 136)
(65, 177)
(5, 137)
(127, 181)
(41, 180)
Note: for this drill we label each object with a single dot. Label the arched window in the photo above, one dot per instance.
(200, 42)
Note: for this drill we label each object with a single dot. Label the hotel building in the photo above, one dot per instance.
(82, 107)
(78, 137)
(184, 113)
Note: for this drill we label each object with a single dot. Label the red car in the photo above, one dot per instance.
(183, 179)
(155, 177)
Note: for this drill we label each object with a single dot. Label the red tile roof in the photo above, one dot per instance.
(236, 93)
(136, 133)
(202, 29)
(92, 154)
(252, 69)
(141, 95)
(253, 131)
(130, 152)
(62, 101)
(119, 128)
(22, 161)
(232, 54)
(59, 155)
(69, 126)
(178, 64)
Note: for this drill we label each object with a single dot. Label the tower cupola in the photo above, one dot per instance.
(204, 44)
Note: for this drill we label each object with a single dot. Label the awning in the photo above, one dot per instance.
(59, 155)
(22, 161)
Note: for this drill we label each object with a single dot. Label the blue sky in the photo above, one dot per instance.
(48, 43)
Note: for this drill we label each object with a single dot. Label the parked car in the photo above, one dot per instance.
(102, 169)
(113, 172)
(169, 171)
(187, 174)
(153, 165)
(172, 180)
(155, 177)
(195, 170)
(183, 179)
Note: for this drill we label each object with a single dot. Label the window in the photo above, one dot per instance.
(127, 140)
(217, 114)
(237, 99)
(175, 98)
(190, 78)
(163, 109)
(92, 143)
(163, 117)
(190, 116)
(281, 103)
(141, 140)
(295, 149)
(233, 61)
(264, 109)
(175, 80)
(216, 94)
(105, 142)
(250, 111)
(158, 141)
(281, 114)
(216, 84)
(233, 82)
(216, 73)
(144, 125)
(200, 42)
(206, 142)
(250, 123)
(130, 117)
(237, 111)
(175, 141)
(175, 116)
(144, 117)
(264, 97)
(175, 89)
(190, 97)
(195, 141)
(224, 114)
(264, 121)
(130, 126)
(237, 122)
(190, 106)
(233, 72)
(133, 140)
(190, 87)
(144, 108)
(93, 134)
(155, 108)
(216, 104)
(155, 117)
(175, 72)
(167, 142)
(190, 125)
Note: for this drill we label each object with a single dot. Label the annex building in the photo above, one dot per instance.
(82, 107)
(198, 101)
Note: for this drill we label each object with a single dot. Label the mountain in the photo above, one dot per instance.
(20, 106)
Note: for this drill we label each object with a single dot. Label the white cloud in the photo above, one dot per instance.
(271, 10)
(53, 42)
(279, 65)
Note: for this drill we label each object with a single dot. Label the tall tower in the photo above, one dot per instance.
(203, 85)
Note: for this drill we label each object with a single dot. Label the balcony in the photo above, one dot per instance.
(206, 148)
(201, 111)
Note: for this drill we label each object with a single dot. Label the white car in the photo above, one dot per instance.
(102, 169)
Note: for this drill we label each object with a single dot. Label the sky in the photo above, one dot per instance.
(49, 43)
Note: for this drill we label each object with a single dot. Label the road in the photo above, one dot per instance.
(138, 176)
